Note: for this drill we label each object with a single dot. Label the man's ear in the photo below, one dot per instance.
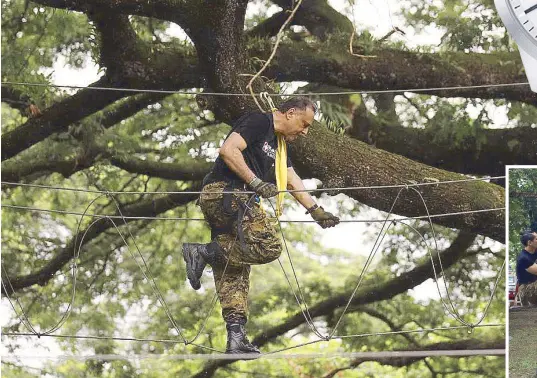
(290, 113)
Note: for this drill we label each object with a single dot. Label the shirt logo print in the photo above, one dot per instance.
(267, 149)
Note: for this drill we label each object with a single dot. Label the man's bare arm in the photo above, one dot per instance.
(231, 153)
(294, 182)
(532, 269)
(322, 217)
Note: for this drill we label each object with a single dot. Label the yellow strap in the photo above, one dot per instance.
(281, 172)
(281, 167)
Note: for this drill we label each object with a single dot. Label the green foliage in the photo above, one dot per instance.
(34, 37)
(335, 116)
(114, 298)
(522, 114)
(149, 29)
(468, 25)
(452, 121)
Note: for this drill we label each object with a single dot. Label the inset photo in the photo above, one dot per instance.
(522, 272)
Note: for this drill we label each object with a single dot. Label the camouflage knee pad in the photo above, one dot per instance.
(261, 242)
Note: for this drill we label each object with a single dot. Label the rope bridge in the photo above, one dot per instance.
(298, 293)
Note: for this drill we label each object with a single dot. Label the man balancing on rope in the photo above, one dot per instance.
(526, 269)
(252, 158)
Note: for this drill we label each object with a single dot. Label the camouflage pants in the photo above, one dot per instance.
(261, 246)
(528, 294)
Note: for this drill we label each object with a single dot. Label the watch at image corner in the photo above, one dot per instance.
(520, 20)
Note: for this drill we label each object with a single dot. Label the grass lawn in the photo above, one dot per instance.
(522, 343)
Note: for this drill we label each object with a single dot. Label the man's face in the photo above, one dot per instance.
(533, 243)
(297, 123)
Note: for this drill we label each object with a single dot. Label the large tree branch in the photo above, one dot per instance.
(322, 152)
(61, 115)
(316, 15)
(58, 117)
(18, 170)
(270, 26)
(319, 18)
(222, 56)
(121, 51)
(371, 292)
(335, 66)
(465, 344)
(16, 99)
(523, 194)
(484, 153)
(135, 63)
(115, 114)
(185, 13)
(171, 171)
(148, 208)
(217, 41)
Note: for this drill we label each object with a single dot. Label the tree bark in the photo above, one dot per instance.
(222, 56)
(170, 171)
(18, 170)
(58, 117)
(182, 12)
(523, 194)
(317, 16)
(485, 153)
(339, 161)
(15, 99)
(334, 65)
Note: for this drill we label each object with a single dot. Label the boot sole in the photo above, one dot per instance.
(191, 275)
(245, 355)
(243, 352)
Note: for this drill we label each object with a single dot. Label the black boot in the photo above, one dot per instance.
(237, 342)
(193, 256)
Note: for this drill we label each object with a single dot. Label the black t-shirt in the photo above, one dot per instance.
(257, 129)
(523, 262)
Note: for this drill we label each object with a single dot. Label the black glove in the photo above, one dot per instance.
(263, 189)
(324, 218)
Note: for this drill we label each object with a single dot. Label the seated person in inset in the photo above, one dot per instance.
(526, 269)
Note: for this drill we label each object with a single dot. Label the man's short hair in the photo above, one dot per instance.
(299, 102)
(526, 237)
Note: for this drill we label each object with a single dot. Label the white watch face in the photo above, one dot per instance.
(526, 13)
